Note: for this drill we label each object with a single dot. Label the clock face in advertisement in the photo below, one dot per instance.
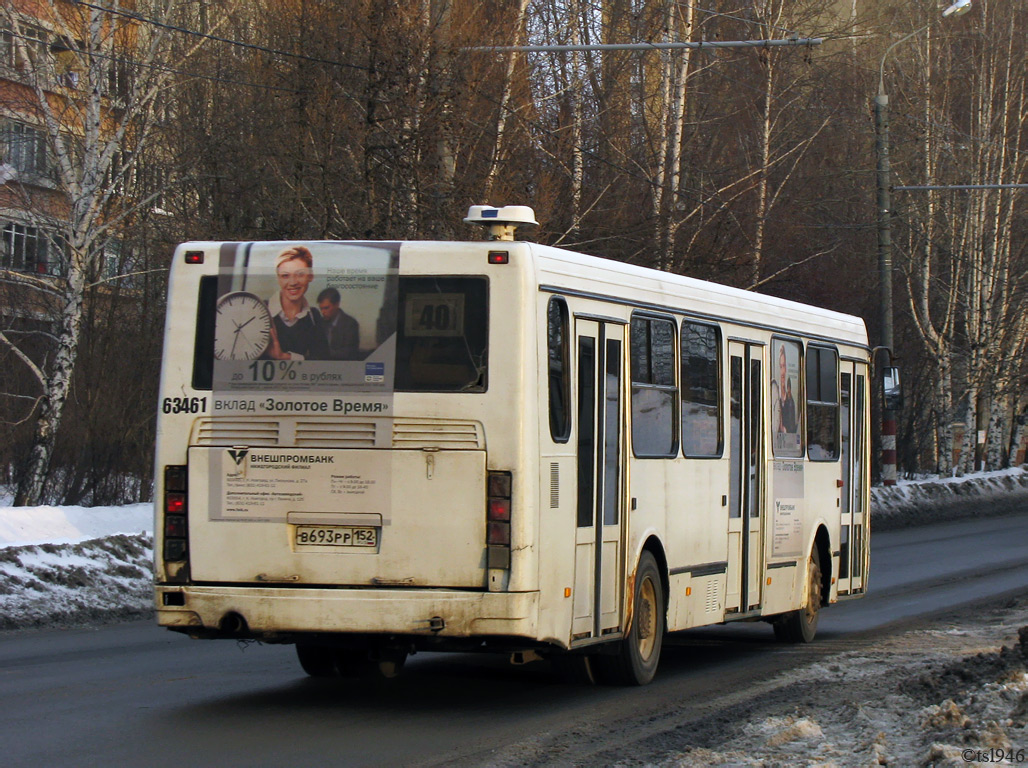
(242, 329)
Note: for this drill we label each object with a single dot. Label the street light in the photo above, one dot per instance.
(959, 7)
(885, 237)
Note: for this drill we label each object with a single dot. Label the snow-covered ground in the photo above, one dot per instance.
(933, 697)
(73, 565)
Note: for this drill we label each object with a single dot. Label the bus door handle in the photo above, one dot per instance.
(430, 461)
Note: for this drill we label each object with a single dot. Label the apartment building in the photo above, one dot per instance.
(41, 57)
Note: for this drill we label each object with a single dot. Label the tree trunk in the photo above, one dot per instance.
(501, 119)
(970, 442)
(996, 448)
(944, 405)
(673, 170)
(30, 489)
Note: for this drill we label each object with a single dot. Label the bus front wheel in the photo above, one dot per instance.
(638, 654)
(801, 626)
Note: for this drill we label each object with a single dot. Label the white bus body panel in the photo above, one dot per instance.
(429, 521)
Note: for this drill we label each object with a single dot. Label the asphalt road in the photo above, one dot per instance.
(133, 694)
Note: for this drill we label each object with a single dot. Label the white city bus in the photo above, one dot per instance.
(374, 448)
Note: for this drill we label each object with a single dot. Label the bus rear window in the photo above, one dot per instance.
(203, 347)
(442, 334)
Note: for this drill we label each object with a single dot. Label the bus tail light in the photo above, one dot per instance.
(498, 519)
(499, 510)
(498, 534)
(176, 528)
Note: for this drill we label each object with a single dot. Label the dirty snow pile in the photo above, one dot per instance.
(931, 499)
(921, 698)
(74, 565)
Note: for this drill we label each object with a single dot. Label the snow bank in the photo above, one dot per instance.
(21, 526)
(100, 580)
(914, 502)
(74, 565)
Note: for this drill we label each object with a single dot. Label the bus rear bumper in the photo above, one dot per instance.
(266, 612)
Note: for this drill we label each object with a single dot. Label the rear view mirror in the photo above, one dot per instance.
(892, 391)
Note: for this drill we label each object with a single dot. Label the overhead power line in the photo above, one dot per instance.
(138, 17)
(799, 41)
(945, 187)
(169, 70)
(731, 17)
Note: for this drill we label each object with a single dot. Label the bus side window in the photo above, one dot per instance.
(559, 372)
(654, 394)
(822, 404)
(701, 390)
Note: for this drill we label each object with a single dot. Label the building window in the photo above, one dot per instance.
(701, 390)
(27, 249)
(111, 262)
(22, 48)
(118, 80)
(654, 394)
(822, 404)
(66, 61)
(6, 48)
(26, 149)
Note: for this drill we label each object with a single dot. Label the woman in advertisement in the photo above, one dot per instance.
(296, 332)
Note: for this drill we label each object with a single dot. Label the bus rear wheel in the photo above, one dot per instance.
(801, 626)
(638, 654)
(317, 660)
(329, 661)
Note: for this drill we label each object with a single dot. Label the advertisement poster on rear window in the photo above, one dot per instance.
(305, 327)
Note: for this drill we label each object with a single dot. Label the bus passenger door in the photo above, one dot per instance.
(599, 418)
(745, 492)
(853, 528)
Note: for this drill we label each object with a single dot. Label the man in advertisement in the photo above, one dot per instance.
(788, 420)
(342, 332)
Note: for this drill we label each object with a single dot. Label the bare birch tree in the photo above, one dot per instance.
(965, 270)
(932, 275)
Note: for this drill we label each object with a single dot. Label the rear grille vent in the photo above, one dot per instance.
(335, 434)
(339, 432)
(454, 435)
(554, 485)
(257, 432)
(712, 605)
